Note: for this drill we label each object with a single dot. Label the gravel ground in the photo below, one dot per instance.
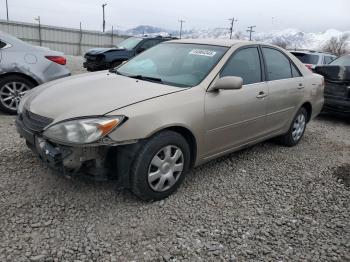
(267, 203)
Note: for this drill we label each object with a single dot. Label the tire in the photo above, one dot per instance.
(13, 86)
(154, 175)
(296, 130)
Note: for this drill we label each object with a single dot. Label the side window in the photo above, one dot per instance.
(2, 44)
(246, 64)
(278, 65)
(149, 43)
(295, 71)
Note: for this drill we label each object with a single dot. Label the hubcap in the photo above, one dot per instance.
(165, 168)
(11, 94)
(298, 127)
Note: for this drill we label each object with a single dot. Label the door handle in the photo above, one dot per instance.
(301, 86)
(261, 95)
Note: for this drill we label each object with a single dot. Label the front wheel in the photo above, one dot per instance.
(296, 130)
(160, 166)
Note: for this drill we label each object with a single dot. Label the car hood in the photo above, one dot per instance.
(91, 94)
(97, 51)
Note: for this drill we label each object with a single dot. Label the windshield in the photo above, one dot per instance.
(307, 58)
(342, 61)
(130, 43)
(184, 65)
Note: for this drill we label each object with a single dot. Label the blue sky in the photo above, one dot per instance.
(306, 15)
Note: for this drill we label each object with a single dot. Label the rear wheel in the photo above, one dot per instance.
(12, 89)
(296, 130)
(160, 166)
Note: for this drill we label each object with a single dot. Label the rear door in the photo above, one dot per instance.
(286, 88)
(236, 117)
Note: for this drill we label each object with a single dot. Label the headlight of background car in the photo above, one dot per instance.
(83, 131)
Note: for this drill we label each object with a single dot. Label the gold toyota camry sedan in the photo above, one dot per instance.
(175, 106)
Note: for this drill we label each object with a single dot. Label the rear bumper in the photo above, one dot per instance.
(336, 105)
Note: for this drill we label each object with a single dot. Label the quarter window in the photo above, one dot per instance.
(278, 65)
(246, 64)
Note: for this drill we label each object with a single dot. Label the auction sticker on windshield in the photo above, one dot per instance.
(203, 52)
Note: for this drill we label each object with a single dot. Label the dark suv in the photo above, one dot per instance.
(106, 58)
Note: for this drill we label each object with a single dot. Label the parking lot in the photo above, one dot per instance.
(264, 203)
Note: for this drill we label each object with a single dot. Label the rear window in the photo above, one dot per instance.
(307, 58)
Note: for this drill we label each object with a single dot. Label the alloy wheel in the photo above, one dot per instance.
(11, 94)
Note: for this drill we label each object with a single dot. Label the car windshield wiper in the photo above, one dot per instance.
(141, 77)
(147, 78)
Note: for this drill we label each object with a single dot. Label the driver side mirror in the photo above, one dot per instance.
(228, 83)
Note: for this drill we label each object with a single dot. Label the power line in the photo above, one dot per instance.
(181, 22)
(250, 30)
(231, 27)
(104, 21)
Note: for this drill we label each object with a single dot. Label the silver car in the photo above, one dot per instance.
(173, 107)
(22, 67)
(311, 59)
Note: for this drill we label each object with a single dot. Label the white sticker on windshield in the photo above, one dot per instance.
(203, 52)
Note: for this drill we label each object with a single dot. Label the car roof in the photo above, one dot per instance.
(217, 42)
(153, 37)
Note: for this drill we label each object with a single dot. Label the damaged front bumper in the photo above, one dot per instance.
(90, 161)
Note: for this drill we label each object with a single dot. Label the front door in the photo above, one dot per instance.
(236, 117)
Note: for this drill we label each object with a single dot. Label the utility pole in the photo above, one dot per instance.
(104, 22)
(7, 11)
(38, 19)
(250, 30)
(80, 38)
(181, 22)
(112, 45)
(231, 27)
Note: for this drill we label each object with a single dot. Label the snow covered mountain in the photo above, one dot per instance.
(293, 38)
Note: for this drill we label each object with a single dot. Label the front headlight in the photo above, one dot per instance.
(83, 131)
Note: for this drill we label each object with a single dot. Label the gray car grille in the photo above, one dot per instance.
(35, 122)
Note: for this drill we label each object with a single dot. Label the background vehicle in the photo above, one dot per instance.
(337, 80)
(22, 67)
(175, 106)
(106, 58)
(312, 58)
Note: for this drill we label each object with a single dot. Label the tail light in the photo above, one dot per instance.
(309, 66)
(57, 59)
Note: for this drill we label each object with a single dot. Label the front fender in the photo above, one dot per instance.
(181, 109)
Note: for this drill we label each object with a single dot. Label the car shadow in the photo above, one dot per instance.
(335, 118)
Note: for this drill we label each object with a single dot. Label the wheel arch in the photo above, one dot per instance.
(190, 138)
(308, 107)
(29, 78)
